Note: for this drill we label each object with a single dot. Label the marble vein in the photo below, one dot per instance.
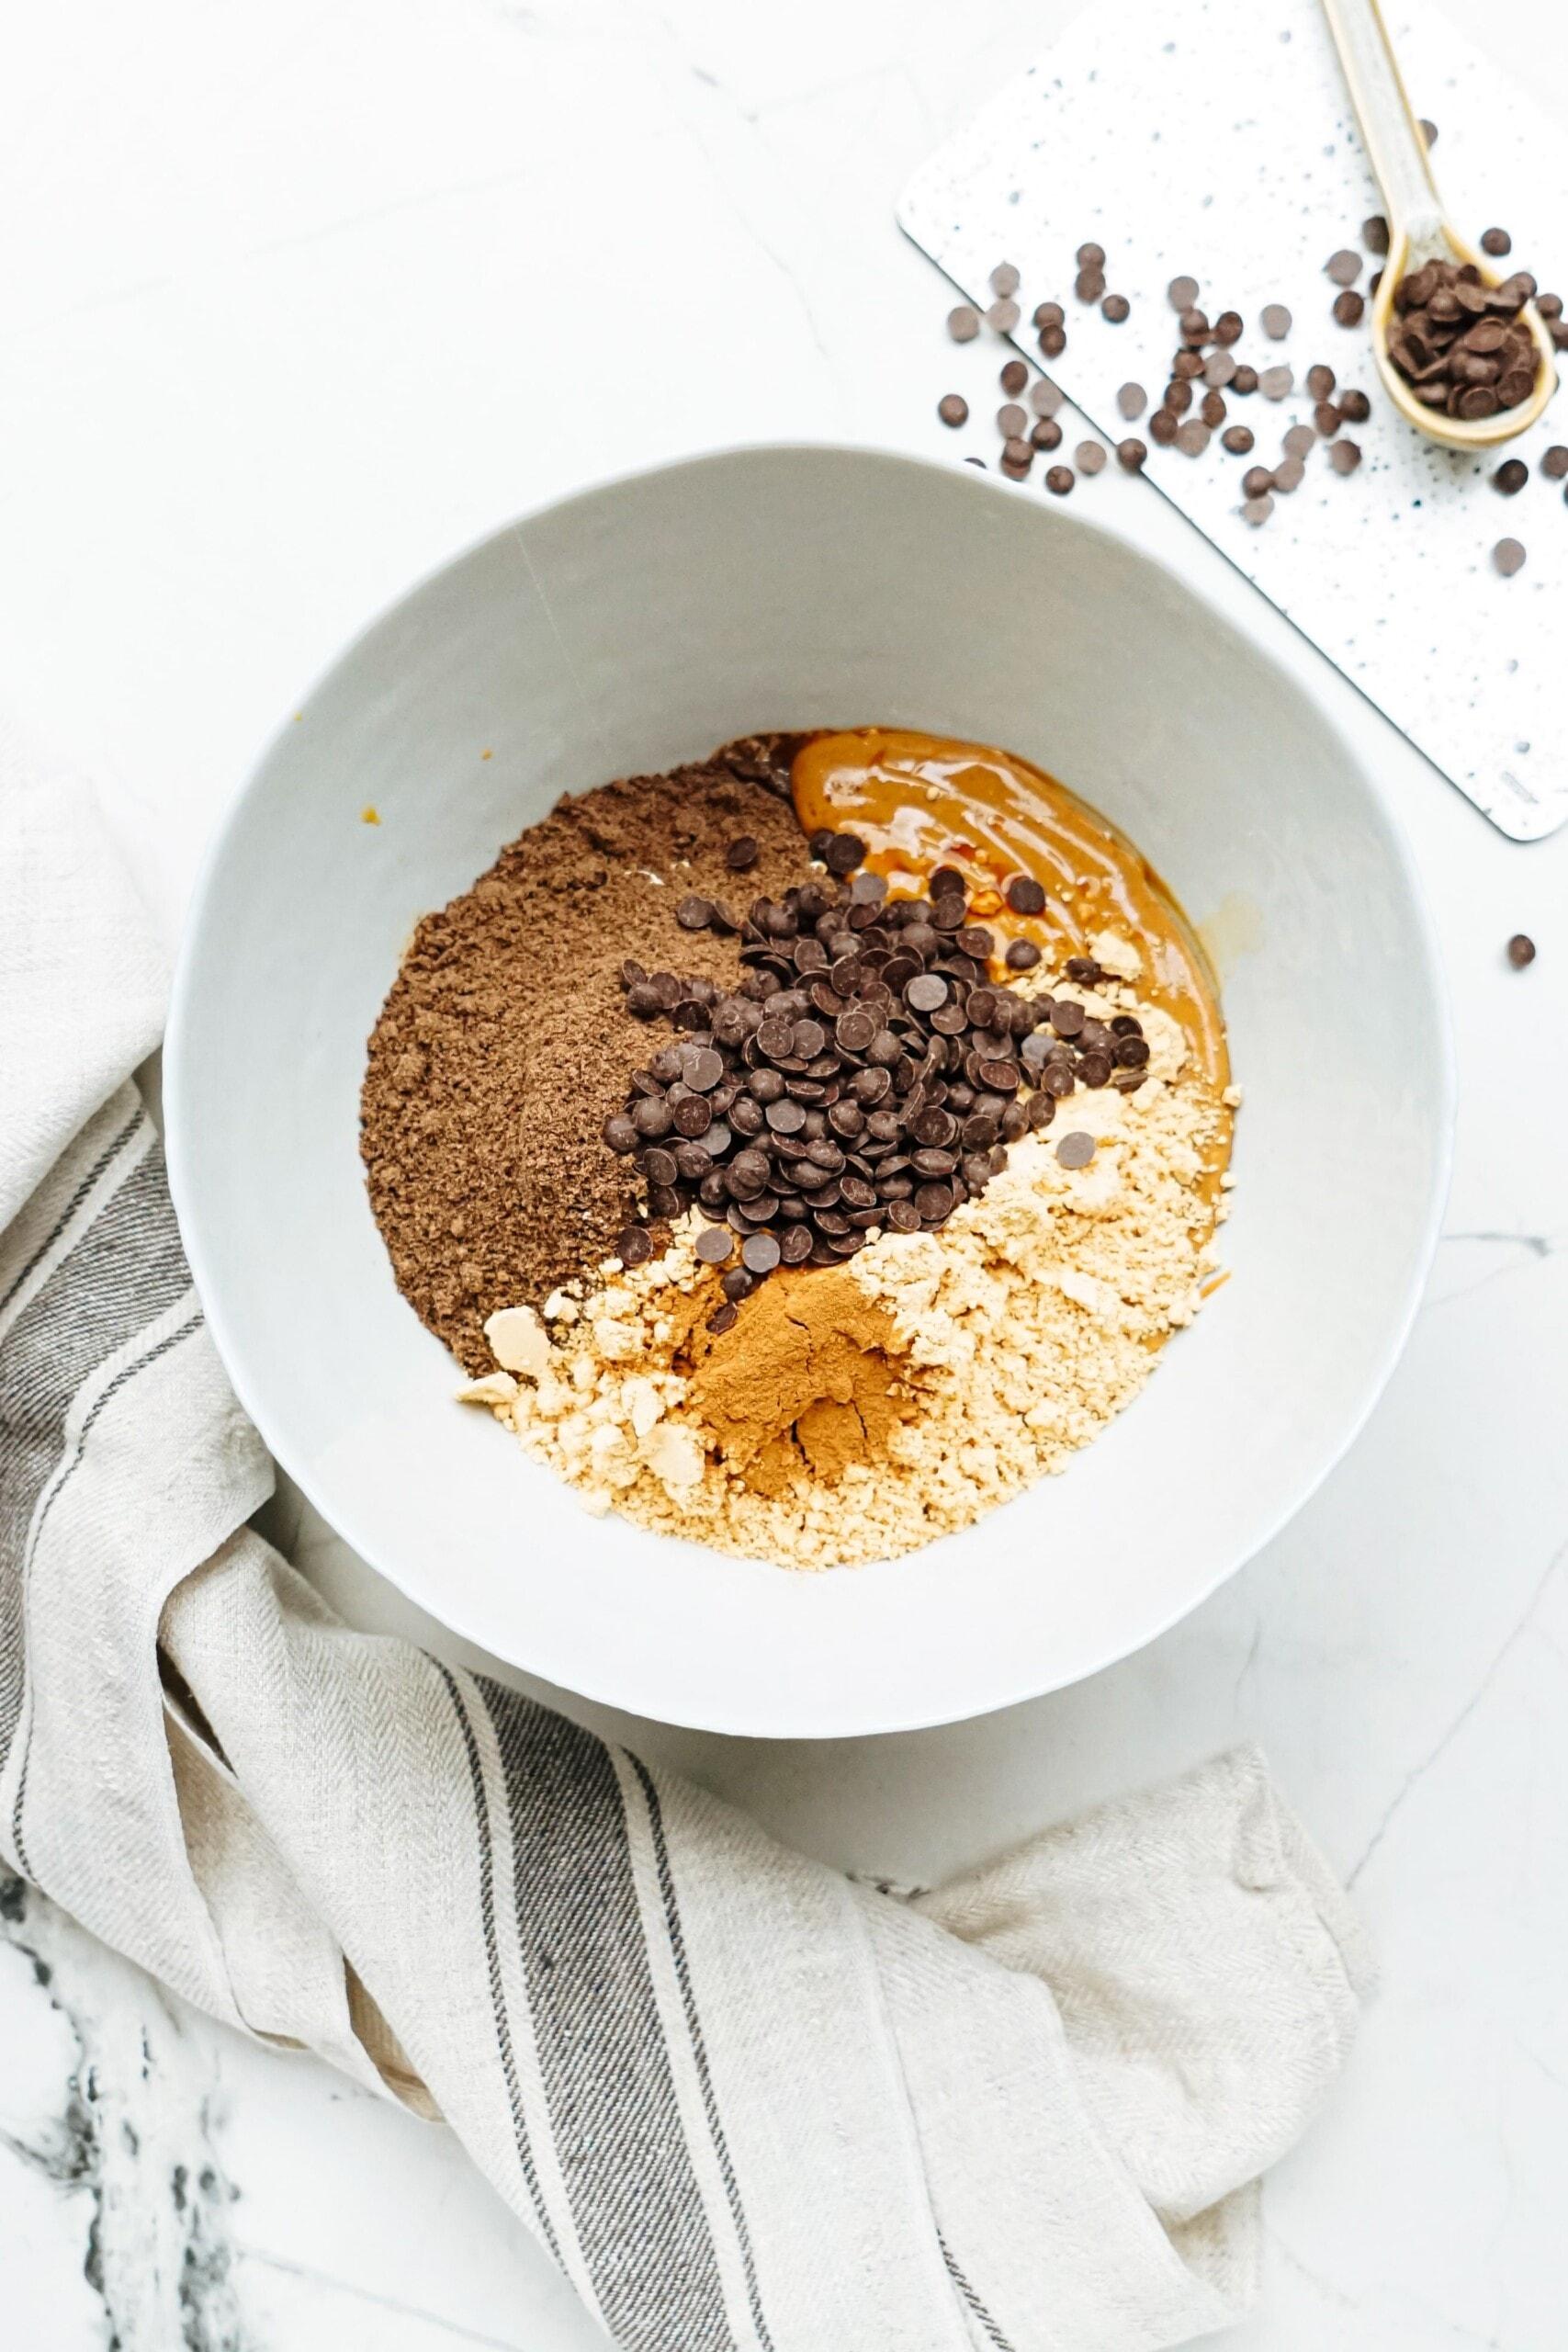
(1418, 1772)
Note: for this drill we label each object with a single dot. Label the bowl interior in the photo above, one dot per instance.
(642, 624)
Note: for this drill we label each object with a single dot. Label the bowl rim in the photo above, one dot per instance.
(1005, 1691)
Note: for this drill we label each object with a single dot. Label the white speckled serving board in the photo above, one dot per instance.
(1218, 142)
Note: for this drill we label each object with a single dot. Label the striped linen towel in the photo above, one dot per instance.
(746, 2104)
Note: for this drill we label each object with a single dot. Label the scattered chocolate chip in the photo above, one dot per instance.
(1211, 409)
(1077, 1150)
(633, 1247)
(1045, 434)
(1349, 308)
(1299, 441)
(1182, 293)
(1374, 233)
(1049, 314)
(1011, 420)
(1320, 381)
(1090, 457)
(964, 322)
(1004, 279)
(1026, 896)
(1059, 481)
(1237, 440)
(1344, 268)
(1555, 464)
(1496, 240)
(1089, 285)
(1229, 327)
(1053, 341)
(1428, 131)
(1345, 457)
(693, 913)
(1163, 425)
(1275, 383)
(1192, 437)
(844, 852)
(1245, 380)
(1276, 321)
(1003, 316)
(1022, 955)
(1507, 557)
(953, 409)
(1355, 407)
(1256, 509)
(1289, 474)
(1132, 456)
(1013, 377)
(1511, 477)
(1521, 950)
(714, 1245)
(1116, 309)
(1044, 398)
(1131, 400)
(1220, 369)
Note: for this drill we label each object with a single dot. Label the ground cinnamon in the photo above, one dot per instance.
(807, 1379)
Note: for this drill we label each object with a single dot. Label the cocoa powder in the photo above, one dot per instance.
(505, 1039)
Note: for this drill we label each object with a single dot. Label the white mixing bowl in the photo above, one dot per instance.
(640, 625)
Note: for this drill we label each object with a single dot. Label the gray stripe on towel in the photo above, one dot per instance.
(616, 2124)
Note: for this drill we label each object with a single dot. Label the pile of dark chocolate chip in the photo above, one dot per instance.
(1462, 347)
(864, 1073)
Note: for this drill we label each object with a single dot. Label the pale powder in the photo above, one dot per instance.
(1008, 1338)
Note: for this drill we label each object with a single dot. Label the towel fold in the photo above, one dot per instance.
(744, 2103)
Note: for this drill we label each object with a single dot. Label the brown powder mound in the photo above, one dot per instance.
(807, 1378)
(505, 1040)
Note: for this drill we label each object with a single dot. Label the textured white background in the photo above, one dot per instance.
(299, 296)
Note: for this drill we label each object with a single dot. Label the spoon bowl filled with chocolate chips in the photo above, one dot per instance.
(806, 1098)
(1463, 353)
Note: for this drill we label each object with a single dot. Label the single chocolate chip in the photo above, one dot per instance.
(1507, 557)
(633, 1247)
(1053, 341)
(964, 322)
(693, 1116)
(1182, 293)
(1275, 383)
(1004, 279)
(1131, 400)
(1089, 285)
(1059, 481)
(1320, 380)
(714, 1245)
(759, 1253)
(1345, 457)
(1211, 409)
(1048, 314)
(1344, 268)
(1374, 233)
(1229, 326)
(737, 1283)
(1077, 1150)
(1132, 456)
(926, 992)
(844, 852)
(1256, 509)
(1011, 420)
(1521, 950)
(693, 913)
(1192, 437)
(1511, 477)
(1299, 441)
(1186, 366)
(1090, 257)
(620, 1134)
(1090, 457)
(1014, 376)
(1355, 407)
(1496, 240)
(1237, 440)
(1289, 474)
(1220, 369)
(953, 409)
(1003, 316)
(1164, 426)
(1022, 955)
(1116, 309)
(1178, 395)
(1349, 308)
(1276, 321)
(1428, 131)
(1045, 434)
(1026, 896)
(786, 1118)
(1555, 464)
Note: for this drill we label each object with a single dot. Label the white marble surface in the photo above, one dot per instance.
(297, 299)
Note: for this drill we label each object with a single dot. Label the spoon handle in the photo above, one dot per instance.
(1395, 145)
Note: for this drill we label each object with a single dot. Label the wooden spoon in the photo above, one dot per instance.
(1419, 229)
